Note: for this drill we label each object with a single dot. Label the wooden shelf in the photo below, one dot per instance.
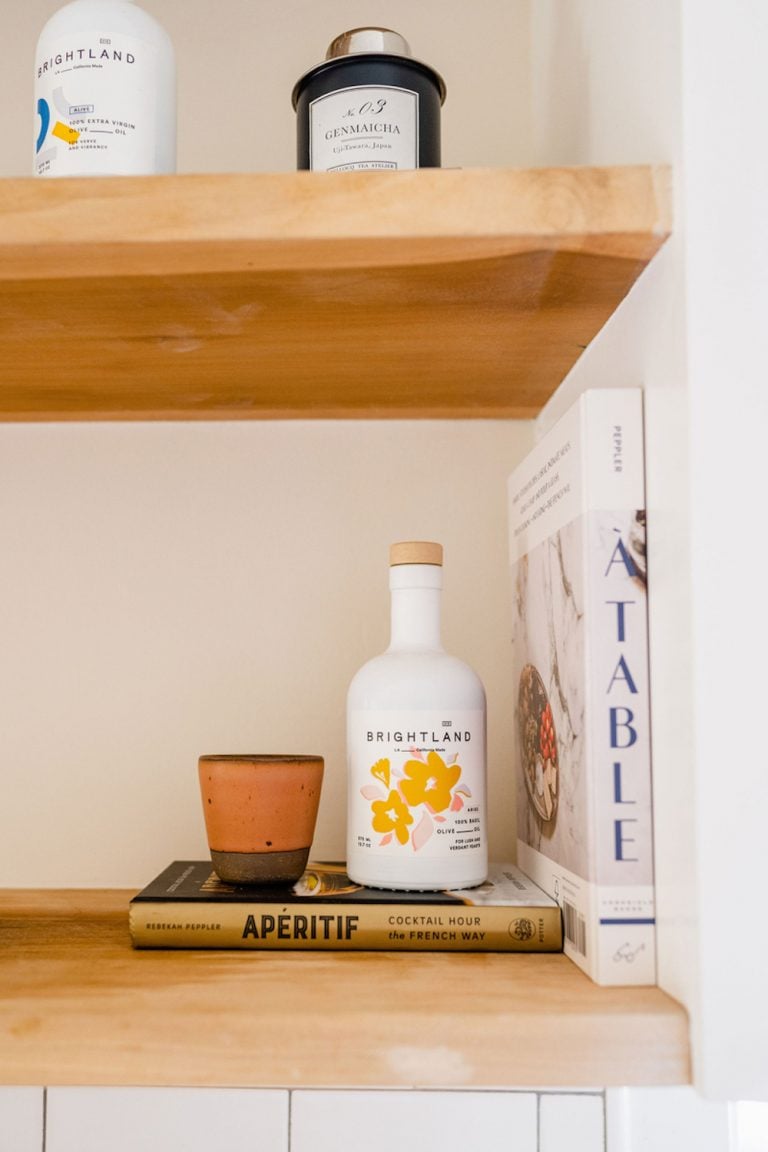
(79, 1006)
(434, 293)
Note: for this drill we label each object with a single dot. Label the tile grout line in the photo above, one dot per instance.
(605, 1122)
(538, 1122)
(45, 1117)
(290, 1118)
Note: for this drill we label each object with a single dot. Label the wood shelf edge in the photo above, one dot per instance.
(79, 1006)
(178, 225)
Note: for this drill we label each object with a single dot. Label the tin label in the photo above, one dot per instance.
(417, 783)
(364, 128)
(95, 102)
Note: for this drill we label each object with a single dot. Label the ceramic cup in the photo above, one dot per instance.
(260, 814)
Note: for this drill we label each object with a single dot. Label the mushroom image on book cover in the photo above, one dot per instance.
(580, 682)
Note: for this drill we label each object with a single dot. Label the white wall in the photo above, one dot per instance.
(726, 192)
(685, 83)
(610, 84)
(605, 81)
(180, 589)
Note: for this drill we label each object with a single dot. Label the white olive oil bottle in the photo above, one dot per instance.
(105, 92)
(416, 747)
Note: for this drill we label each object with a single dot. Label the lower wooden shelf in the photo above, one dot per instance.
(78, 1005)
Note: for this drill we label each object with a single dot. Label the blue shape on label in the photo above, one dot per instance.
(44, 113)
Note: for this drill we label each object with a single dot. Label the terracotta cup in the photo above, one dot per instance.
(260, 814)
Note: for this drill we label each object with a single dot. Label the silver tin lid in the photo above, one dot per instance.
(367, 42)
(359, 40)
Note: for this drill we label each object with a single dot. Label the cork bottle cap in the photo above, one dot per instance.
(416, 552)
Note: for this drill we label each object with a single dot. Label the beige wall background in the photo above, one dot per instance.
(170, 590)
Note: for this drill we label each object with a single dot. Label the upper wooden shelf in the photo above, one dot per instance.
(434, 293)
(79, 1006)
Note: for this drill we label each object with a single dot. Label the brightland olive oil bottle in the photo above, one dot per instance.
(416, 747)
(105, 92)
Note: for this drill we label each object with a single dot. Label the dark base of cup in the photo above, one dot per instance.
(260, 867)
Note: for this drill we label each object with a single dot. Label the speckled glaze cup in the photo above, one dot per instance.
(260, 814)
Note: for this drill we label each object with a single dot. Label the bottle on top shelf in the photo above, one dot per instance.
(105, 92)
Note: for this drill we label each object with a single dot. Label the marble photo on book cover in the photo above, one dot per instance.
(551, 698)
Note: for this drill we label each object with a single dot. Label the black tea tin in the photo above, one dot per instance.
(369, 105)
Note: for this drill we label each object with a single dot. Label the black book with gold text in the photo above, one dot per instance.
(187, 906)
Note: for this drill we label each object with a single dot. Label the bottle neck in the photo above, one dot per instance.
(415, 613)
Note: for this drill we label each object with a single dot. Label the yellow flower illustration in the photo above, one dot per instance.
(391, 815)
(381, 771)
(430, 783)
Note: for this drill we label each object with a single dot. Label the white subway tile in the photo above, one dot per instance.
(665, 1120)
(571, 1123)
(21, 1119)
(166, 1120)
(413, 1121)
(750, 1126)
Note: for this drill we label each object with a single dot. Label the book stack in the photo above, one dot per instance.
(188, 906)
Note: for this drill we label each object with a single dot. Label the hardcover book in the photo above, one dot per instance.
(187, 906)
(580, 688)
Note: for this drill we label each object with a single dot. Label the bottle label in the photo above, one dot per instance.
(417, 783)
(362, 128)
(96, 107)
